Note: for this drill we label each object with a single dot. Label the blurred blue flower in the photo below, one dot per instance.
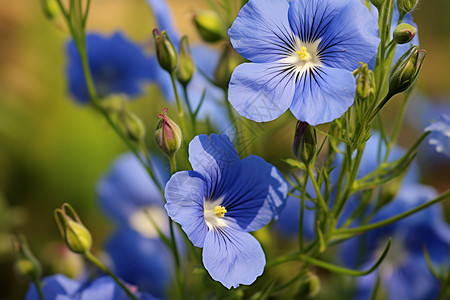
(205, 59)
(144, 262)
(302, 53)
(440, 134)
(128, 195)
(118, 66)
(404, 273)
(62, 288)
(220, 202)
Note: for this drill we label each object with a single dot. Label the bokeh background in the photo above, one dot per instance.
(54, 151)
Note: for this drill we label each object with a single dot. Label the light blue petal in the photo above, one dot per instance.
(53, 286)
(185, 192)
(233, 257)
(257, 195)
(217, 160)
(348, 32)
(261, 32)
(261, 91)
(323, 97)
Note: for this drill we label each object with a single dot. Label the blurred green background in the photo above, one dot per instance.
(53, 151)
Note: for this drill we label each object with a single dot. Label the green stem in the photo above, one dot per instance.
(317, 189)
(38, 286)
(178, 102)
(302, 210)
(364, 228)
(191, 113)
(101, 266)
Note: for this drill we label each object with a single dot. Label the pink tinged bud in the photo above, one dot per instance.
(404, 33)
(167, 134)
(405, 71)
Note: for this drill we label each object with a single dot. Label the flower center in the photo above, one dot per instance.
(219, 211)
(303, 53)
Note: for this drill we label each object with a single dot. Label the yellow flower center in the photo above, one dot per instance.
(303, 53)
(219, 211)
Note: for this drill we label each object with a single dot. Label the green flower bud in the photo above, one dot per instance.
(165, 51)
(210, 26)
(187, 66)
(304, 146)
(404, 33)
(134, 127)
(405, 71)
(389, 191)
(26, 266)
(50, 8)
(228, 61)
(167, 134)
(405, 6)
(377, 3)
(363, 82)
(76, 236)
(309, 286)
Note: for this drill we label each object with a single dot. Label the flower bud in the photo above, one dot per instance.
(363, 82)
(404, 33)
(405, 6)
(187, 67)
(309, 286)
(26, 265)
(76, 236)
(167, 134)
(165, 51)
(50, 8)
(377, 3)
(229, 60)
(405, 71)
(210, 26)
(134, 127)
(304, 146)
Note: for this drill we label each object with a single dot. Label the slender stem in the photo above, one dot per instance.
(302, 210)
(38, 286)
(317, 189)
(178, 102)
(191, 113)
(364, 228)
(101, 266)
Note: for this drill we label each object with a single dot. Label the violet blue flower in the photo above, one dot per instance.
(302, 53)
(220, 202)
(117, 65)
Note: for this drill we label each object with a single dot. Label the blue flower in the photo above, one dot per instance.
(117, 65)
(60, 287)
(220, 202)
(302, 55)
(144, 262)
(440, 134)
(404, 273)
(128, 194)
(205, 59)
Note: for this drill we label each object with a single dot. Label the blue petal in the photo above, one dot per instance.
(53, 286)
(127, 188)
(185, 193)
(261, 32)
(233, 257)
(144, 262)
(217, 160)
(348, 32)
(323, 97)
(261, 92)
(257, 195)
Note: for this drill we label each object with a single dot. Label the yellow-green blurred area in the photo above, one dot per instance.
(53, 150)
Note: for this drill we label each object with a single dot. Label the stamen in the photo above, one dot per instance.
(219, 211)
(303, 53)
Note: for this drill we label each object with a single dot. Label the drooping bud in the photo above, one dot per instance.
(405, 6)
(228, 61)
(165, 51)
(210, 26)
(404, 33)
(363, 82)
(26, 266)
(304, 146)
(187, 66)
(167, 134)
(406, 69)
(76, 236)
(377, 3)
(309, 286)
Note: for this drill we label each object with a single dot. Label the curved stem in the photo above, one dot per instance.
(38, 286)
(101, 266)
